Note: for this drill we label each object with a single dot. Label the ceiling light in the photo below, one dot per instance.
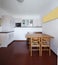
(20, 1)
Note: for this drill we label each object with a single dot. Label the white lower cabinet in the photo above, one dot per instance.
(6, 39)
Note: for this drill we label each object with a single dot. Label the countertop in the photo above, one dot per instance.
(6, 31)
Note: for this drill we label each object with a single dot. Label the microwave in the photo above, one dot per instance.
(17, 24)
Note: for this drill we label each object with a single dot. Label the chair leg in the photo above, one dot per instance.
(41, 51)
(49, 52)
(31, 51)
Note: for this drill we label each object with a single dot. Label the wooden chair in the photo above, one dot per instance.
(45, 45)
(34, 44)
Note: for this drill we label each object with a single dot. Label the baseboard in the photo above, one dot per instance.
(10, 43)
(53, 52)
(16, 41)
(20, 40)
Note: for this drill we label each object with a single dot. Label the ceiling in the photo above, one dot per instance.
(26, 7)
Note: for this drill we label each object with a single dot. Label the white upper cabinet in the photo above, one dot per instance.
(7, 23)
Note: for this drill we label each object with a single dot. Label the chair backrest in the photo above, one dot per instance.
(35, 40)
(45, 40)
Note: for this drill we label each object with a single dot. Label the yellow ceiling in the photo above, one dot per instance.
(51, 16)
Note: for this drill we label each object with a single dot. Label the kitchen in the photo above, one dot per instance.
(33, 12)
(8, 27)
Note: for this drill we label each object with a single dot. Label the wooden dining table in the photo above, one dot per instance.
(29, 35)
(38, 35)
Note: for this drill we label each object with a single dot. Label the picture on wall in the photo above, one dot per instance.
(23, 22)
(27, 22)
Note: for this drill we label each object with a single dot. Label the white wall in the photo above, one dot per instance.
(52, 29)
(7, 22)
(3, 12)
(36, 19)
(20, 33)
